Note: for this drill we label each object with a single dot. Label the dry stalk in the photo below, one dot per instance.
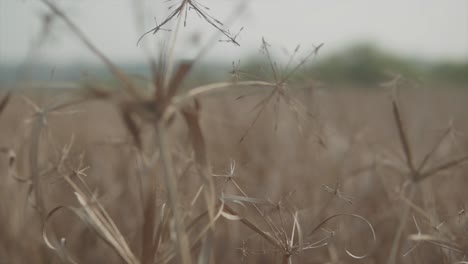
(171, 186)
(96, 217)
(149, 245)
(118, 73)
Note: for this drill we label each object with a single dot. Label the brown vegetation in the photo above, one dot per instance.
(218, 174)
(284, 172)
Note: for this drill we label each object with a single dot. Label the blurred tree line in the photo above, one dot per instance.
(367, 64)
(362, 64)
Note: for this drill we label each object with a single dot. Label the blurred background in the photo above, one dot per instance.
(362, 38)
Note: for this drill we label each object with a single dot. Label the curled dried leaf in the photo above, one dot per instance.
(374, 237)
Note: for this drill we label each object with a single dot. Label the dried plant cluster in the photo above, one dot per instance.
(251, 170)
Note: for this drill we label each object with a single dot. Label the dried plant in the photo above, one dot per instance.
(183, 8)
(150, 195)
(416, 173)
(279, 84)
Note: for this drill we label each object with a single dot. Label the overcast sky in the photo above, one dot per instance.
(432, 29)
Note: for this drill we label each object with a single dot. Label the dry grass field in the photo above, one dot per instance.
(287, 169)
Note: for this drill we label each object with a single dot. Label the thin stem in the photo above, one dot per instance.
(112, 67)
(170, 57)
(396, 240)
(33, 163)
(272, 227)
(171, 186)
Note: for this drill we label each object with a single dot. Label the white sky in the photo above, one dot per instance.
(431, 29)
